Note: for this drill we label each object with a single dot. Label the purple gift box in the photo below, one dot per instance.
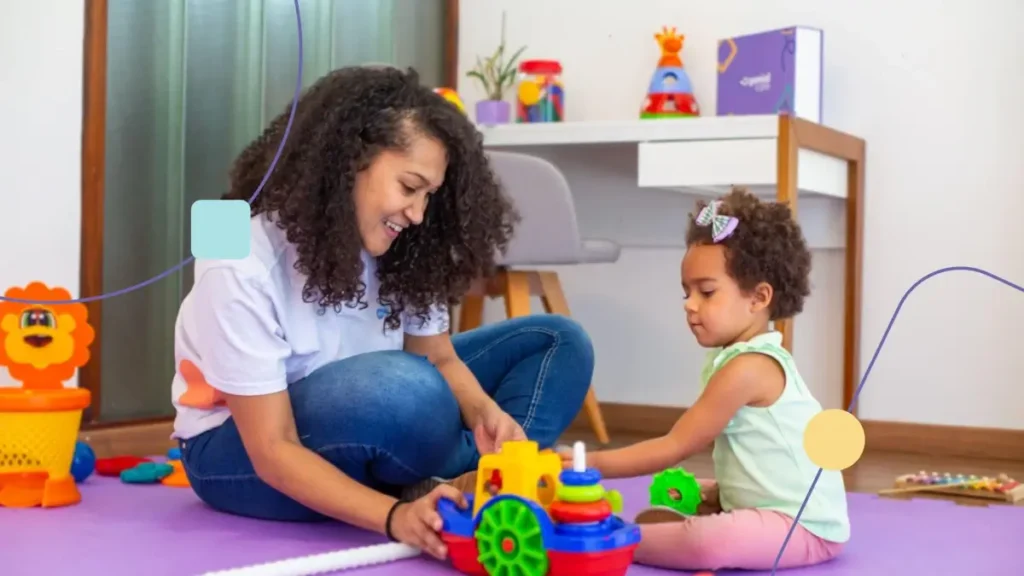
(771, 73)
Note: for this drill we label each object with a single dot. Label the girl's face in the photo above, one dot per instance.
(717, 311)
(392, 193)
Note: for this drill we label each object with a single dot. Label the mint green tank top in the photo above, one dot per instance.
(759, 457)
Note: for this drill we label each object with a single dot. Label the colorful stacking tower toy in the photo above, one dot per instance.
(670, 94)
(528, 517)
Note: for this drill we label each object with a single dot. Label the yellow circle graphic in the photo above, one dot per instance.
(834, 439)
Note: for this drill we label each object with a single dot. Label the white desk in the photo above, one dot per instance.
(610, 164)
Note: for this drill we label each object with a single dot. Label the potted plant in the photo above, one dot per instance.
(497, 76)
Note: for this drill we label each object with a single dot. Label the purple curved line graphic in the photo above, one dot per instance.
(187, 261)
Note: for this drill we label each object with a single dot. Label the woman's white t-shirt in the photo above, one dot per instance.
(244, 329)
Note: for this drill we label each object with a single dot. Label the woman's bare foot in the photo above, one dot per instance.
(659, 516)
(465, 483)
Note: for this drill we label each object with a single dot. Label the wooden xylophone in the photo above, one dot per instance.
(1000, 487)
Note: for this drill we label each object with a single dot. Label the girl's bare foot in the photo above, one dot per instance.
(659, 516)
(709, 499)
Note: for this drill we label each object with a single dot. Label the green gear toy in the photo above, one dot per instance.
(677, 490)
(510, 541)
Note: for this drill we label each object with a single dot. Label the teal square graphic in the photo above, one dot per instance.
(220, 229)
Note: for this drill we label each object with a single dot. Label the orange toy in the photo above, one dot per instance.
(43, 343)
(176, 479)
(451, 96)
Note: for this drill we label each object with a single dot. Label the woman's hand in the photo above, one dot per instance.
(418, 523)
(494, 427)
(490, 424)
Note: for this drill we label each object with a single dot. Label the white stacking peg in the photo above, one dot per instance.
(579, 457)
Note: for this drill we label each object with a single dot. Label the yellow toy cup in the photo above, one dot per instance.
(38, 432)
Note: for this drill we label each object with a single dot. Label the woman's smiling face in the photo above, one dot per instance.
(393, 192)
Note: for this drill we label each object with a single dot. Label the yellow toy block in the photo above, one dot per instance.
(522, 470)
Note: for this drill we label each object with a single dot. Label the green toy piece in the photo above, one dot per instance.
(614, 498)
(677, 490)
(581, 494)
(510, 541)
(146, 473)
(590, 493)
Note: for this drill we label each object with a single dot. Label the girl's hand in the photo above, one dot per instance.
(566, 455)
(418, 524)
(593, 459)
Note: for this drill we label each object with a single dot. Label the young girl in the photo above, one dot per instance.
(746, 265)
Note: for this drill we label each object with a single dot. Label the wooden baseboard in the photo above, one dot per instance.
(145, 439)
(152, 438)
(924, 439)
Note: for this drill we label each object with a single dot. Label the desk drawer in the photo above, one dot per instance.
(707, 163)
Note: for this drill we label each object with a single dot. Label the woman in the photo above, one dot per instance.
(316, 377)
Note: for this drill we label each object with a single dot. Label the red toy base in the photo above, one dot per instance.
(609, 563)
(463, 554)
(670, 105)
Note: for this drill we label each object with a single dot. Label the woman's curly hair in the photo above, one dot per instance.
(341, 123)
(767, 246)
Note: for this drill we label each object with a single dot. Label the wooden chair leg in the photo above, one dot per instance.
(471, 312)
(516, 287)
(555, 303)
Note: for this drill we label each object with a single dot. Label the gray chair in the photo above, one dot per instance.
(548, 235)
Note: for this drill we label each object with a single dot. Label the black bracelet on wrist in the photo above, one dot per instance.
(387, 523)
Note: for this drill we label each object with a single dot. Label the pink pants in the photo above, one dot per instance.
(742, 539)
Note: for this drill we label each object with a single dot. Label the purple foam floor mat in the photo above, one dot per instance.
(122, 529)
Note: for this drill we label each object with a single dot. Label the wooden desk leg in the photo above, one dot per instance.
(555, 303)
(787, 154)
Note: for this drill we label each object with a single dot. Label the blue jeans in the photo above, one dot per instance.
(389, 419)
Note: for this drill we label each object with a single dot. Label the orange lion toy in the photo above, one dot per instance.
(43, 341)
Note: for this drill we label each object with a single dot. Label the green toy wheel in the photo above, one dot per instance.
(510, 542)
(677, 489)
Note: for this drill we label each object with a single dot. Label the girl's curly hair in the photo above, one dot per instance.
(341, 123)
(767, 246)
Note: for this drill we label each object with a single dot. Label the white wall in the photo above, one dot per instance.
(935, 92)
(944, 183)
(40, 149)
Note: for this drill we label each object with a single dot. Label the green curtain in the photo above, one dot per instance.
(189, 83)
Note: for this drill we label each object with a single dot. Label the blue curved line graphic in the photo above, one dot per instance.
(856, 394)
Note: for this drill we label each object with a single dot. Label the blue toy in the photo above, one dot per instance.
(174, 454)
(83, 464)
